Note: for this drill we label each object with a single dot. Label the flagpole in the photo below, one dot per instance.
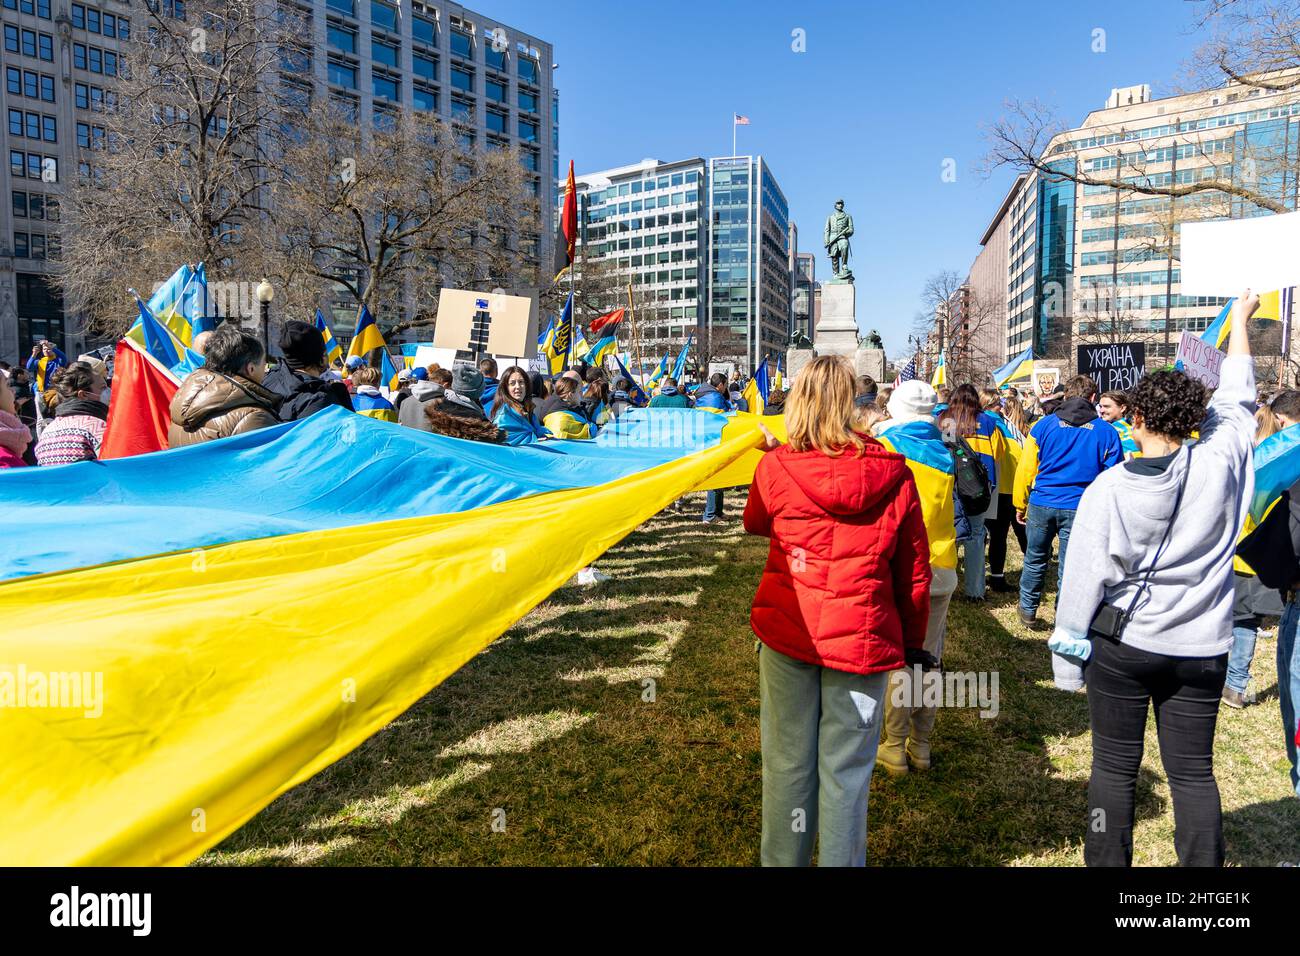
(733, 133)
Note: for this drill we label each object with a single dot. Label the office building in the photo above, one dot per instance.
(1095, 262)
(493, 82)
(805, 268)
(656, 224)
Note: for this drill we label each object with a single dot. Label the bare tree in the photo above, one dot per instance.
(390, 215)
(180, 154)
(962, 325)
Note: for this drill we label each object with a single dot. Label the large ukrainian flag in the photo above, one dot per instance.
(194, 590)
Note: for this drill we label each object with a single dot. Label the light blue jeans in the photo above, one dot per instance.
(973, 558)
(820, 731)
(1041, 526)
(1288, 682)
(1243, 652)
(713, 504)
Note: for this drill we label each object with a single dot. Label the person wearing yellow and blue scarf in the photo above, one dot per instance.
(1004, 519)
(563, 414)
(512, 409)
(1113, 408)
(368, 401)
(964, 417)
(47, 358)
(911, 432)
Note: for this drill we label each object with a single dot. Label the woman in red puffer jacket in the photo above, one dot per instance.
(843, 600)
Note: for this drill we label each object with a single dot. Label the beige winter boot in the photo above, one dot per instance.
(918, 741)
(892, 752)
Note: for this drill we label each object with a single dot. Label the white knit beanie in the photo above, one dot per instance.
(913, 401)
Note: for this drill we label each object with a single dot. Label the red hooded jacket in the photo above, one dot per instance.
(847, 581)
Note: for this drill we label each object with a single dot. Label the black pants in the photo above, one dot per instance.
(1122, 680)
(998, 535)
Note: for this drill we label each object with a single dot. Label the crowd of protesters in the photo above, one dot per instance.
(882, 505)
(1145, 494)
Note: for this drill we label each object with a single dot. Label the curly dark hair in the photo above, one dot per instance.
(1170, 403)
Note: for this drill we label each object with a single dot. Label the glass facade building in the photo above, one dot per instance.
(1100, 260)
(704, 243)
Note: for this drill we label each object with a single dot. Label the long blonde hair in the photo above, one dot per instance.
(819, 410)
(1266, 423)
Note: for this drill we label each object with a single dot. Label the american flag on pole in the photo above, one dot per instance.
(907, 374)
(740, 120)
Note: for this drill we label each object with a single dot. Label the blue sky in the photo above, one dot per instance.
(882, 96)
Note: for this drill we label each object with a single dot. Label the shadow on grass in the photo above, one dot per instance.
(566, 741)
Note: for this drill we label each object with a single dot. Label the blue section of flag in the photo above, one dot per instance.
(362, 470)
(679, 366)
(1277, 468)
(635, 393)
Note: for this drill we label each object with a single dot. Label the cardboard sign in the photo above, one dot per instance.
(1114, 367)
(1199, 359)
(511, 324)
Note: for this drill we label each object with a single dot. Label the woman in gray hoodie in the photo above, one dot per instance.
(1147, 599)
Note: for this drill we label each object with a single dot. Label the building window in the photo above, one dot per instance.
(494, 91)
(528, 102)
(47, 88)
(386, 89)
(343, 75)
(462, 79)
(461, 111)
(341, 38)
(49, 129)
(20, 245)
(424, 66)
(11, 39)
(528, 70)
(383, 16)
(345, 7)
(20, 205)
(79, 55)
(461, 44)
(424, 31)
(47, 47)
(385, 53)
(17, 164)
(495, 59)
(424, 99)
(496, 122)
(528, 131)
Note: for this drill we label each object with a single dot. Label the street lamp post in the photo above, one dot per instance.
(265, 293)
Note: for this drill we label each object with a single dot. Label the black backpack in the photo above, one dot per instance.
(973, 486)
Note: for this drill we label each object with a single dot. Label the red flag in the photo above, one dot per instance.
(569, 221)
(138, 409)
(609, 318)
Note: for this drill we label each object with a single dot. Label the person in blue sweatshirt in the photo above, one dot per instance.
(1063, 453)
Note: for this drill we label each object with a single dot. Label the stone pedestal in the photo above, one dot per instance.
(837, 330)
(870, 362)
(796, 359)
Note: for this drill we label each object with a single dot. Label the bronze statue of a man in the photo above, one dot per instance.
(839, 226)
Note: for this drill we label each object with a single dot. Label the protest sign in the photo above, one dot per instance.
(1199, 359)
(510, 326)
(1046, 379)
(1223, 258)
(1114, 367)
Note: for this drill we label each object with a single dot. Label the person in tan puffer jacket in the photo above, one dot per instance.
(224, 397)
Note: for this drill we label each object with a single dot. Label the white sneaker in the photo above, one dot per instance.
(589, 576)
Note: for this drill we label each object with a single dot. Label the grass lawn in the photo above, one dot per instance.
(618, 725)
